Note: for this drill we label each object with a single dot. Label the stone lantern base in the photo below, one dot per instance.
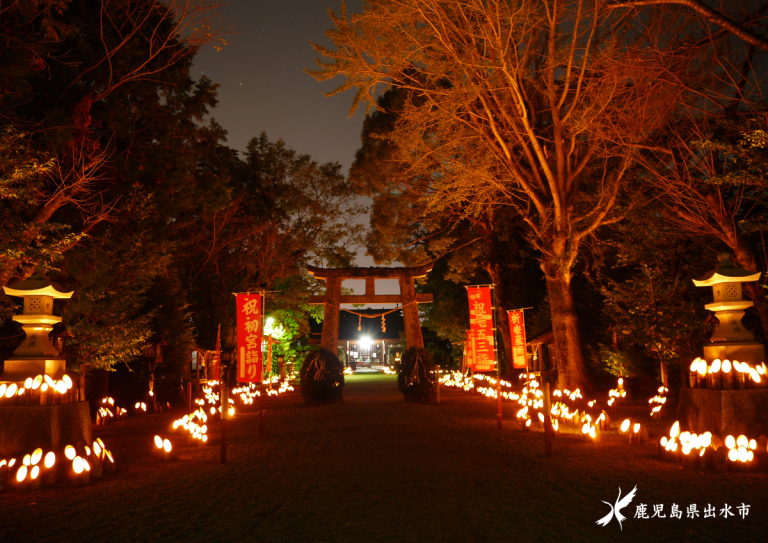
(743, 351)
(725, 412)
(51, 427)
(18, 368)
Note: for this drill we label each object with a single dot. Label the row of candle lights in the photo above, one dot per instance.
(39, 467)
(740, 452)
(105, 415)
(658, 402)
(195, 424)
(591, 419)
(40, 390)
(727, 375)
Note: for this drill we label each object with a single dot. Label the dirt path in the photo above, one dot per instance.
(375, 468)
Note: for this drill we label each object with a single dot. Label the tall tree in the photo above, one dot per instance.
(552, 98)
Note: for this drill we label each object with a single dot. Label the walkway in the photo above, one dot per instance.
(374, 468)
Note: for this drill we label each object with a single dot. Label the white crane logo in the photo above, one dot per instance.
(616, 509)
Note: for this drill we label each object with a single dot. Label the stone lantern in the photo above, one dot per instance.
(730, 340)
(39, 419)
(726, 410)
(36, 355)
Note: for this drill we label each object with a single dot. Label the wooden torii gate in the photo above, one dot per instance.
(333, 298)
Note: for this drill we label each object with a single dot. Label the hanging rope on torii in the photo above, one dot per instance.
(333, 299)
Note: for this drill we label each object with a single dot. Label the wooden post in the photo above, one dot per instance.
(331, 314)
(189, 398)
(547, 421)
(411, 319)
(261, 409)
(224, 416)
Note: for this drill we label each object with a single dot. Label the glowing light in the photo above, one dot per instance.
(702, 369)
(50, 460)
(34, 473)
(742, 441)
(726, 366)
(733, 455)
(664, 441)
(167, 445)
(21, 474)
(37, 382)
(743, 454)
(625, 425)
(695, 364)
(730, 442)
(715, 366)
(67, 381)
(158, 442)
(78, 465)
(11, 391)
(27, 460)
(752, 444)
(636, 427)
(28, 383)
(36, 456)
(69, 452)
(675, 430)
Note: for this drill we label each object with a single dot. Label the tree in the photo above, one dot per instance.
(718, 17)
(552, 99)
(287, 210)
(71, 72)
(712, 176)
(650, 301)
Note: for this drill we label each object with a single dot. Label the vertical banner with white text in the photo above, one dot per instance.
(249, 321)
(481, 342)
(517, 333)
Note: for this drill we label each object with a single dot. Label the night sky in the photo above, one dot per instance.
(263, 84)
(264, 87)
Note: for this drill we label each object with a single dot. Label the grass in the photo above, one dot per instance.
(375, 468)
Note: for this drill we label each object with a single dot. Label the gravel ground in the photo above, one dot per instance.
(374, 468)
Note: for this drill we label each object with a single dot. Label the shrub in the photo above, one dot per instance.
(322, 377)
(415, 378)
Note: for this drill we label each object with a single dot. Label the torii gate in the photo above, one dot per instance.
(333, 298)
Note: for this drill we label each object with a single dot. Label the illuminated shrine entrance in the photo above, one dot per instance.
(332, 300)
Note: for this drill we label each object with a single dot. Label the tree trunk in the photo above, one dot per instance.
(502, 322)
(570, 358)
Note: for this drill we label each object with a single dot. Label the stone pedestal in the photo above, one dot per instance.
(18, 369)
(724, 412)
(743, 351)
(51, 427)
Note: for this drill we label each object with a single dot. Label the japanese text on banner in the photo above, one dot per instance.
(481, 342)
(249, 325)
(517, 333)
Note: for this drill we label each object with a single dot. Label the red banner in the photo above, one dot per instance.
(517, 332)
(481, 344)
(249, 321)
